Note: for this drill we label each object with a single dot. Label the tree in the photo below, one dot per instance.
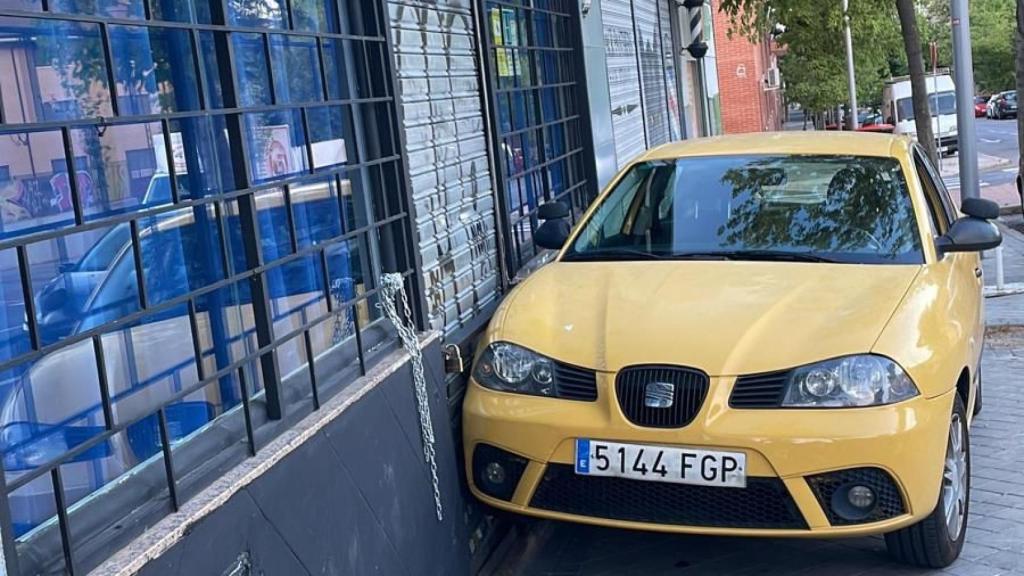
(918, 89)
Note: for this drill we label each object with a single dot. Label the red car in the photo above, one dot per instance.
(980, 106)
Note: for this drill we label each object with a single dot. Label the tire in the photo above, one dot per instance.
(930, 543)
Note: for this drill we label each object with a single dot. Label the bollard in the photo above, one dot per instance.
(999, 269)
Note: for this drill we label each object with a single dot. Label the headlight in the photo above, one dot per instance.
(851, 381)
(511, 368)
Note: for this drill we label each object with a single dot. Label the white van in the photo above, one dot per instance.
(898, 109)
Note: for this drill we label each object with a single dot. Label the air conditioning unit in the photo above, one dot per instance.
(772, 79)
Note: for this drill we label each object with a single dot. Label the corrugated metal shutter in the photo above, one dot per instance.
(652, 70)
(447, 150)
(623, 79)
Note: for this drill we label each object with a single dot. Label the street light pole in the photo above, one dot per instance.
(850, 77)
(963, 71)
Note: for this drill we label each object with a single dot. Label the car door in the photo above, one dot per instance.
(958, 274)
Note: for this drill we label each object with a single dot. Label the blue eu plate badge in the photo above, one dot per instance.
(582, 456)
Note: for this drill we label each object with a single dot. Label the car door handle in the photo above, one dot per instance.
(977, 272)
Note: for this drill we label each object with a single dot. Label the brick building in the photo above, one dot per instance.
(749, 80)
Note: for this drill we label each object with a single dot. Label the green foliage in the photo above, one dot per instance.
(814, 66)
(992, 27)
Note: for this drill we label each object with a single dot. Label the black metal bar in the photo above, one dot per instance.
(109, 61)
(172, 177)
(326, 278)
(197, 344)
(72, 175)
(243, 386)
(62, 520)
(271, 75)
(551, 124)
(101, 372)
(165, 443)
(293, 237)
(322, 62)
(140, 278)
(309, 139)
(359, 339)
(147, 10)
(197, 64)
(28, 296)
(9, 542)
(315, 388)
(530, 87)
(639, 73)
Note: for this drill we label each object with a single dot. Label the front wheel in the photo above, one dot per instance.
(936, 541)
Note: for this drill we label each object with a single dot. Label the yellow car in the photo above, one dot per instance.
(765, 335)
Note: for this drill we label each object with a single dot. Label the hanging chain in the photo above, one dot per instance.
(392, 288)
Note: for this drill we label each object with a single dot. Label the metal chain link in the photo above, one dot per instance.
(392, 287)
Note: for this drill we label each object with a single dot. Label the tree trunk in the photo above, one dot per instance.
(1020, 91)
(912, 44)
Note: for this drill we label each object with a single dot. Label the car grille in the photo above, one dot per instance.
(889, 503)
(575, 383)
(689, 387)
(764, 503)
(759, 390)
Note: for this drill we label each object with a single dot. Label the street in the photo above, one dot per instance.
(998, 139)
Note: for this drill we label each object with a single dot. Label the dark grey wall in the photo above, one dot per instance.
(355, 499)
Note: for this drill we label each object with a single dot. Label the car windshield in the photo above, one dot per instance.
(942, 103)
(1011, 96)
(813, 208)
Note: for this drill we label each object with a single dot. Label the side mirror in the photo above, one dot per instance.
(552, 234)
(970, 234)
(553, 211)
(980, 208)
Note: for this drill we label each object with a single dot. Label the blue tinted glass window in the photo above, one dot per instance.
(153, 69)
(277, 145)
(121, 165)
(296, 292)
(296, 68)
(212, 68)
(14, 338)
(252, 73)
(112, 8)
(330, 135)
(115, 296)
(315, 15)
(65, 76)
(37, 193)
(180, 252)
(202, 156)
(197, 11)
(340, 56)
(256, 13)
(316, 212)
(275, 234)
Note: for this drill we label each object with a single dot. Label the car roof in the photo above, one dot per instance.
(785, 143)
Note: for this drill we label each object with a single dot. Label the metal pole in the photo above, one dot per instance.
(851, 78)
(964, 78)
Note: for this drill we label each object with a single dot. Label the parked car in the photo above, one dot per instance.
(766, 335)
(1004, 105)
(874, 122)
(980, 106)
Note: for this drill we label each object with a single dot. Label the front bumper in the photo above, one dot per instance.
(785, 449)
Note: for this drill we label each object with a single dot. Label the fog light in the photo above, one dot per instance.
(494, 473)
(861, 497)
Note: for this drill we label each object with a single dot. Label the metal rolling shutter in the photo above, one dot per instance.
(666, 9)
(652, 70)
(623, 79)
(447, 151)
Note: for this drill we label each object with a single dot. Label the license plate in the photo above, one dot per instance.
(676, 464)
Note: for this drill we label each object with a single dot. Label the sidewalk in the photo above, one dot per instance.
(1013, 263)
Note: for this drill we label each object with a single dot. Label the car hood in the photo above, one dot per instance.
(725, 318)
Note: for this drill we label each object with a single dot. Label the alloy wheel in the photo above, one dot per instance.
(954, 479)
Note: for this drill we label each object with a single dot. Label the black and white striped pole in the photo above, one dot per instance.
(695, 16)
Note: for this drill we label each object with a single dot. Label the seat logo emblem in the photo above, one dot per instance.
(659, 394)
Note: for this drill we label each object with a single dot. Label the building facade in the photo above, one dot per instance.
(199, 201)
(748, 73)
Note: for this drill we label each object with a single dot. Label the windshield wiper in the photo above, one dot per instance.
(769, 255)
(610, 254)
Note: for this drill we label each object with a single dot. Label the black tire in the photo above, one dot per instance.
(928, 543)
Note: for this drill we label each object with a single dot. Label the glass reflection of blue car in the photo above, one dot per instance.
(55, 406)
